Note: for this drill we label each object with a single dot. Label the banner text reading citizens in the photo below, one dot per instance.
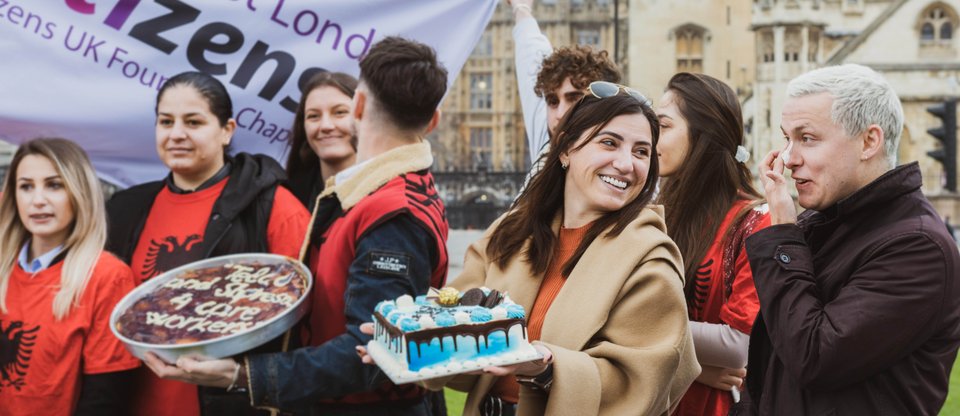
(209, 38)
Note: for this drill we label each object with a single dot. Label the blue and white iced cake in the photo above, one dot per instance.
(449, 332)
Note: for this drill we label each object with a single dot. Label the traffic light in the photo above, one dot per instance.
(947, 135)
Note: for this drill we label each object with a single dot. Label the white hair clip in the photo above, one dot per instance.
(742, 154)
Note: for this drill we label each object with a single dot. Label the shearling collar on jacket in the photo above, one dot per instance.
(378, 171)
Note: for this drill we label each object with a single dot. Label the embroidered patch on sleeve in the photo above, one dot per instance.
(389, 263)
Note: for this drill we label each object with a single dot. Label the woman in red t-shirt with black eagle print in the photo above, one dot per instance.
(58, 288)
(212, 203)
(711, 207)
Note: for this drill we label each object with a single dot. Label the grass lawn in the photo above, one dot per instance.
(455, 401)
(950, 408)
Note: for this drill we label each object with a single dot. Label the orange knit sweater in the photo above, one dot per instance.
(506, 387)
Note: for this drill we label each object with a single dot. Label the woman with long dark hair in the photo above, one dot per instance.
(591, 263)
(711, 207)
(323, 142)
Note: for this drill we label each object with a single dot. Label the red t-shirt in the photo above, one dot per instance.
(45, 358)
(174, 227)
(729, 297)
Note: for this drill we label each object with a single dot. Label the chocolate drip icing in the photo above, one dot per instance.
(424, 336)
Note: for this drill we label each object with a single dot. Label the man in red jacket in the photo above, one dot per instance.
(860, 294)
(378, 233)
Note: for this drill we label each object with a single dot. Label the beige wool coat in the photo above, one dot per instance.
(617, 329)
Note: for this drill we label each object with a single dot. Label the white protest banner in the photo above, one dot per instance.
(89, 70)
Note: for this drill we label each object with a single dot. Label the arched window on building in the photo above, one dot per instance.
(766, 46)
(481, 148)
(481, 91)
(792, 43)
(690, 40)
(926, 32)
(936, 24)
(813, 45)
(588, 36)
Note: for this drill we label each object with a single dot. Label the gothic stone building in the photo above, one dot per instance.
(758, 46)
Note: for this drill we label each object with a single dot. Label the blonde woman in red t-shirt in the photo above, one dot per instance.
(711, 207)
(58, 288)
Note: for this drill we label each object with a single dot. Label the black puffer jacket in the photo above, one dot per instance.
(238, 224)
(238, 221)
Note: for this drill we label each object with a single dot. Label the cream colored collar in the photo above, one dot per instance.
(348, 173)
(376, 172)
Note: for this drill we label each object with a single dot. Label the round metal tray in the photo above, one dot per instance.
(227, 345)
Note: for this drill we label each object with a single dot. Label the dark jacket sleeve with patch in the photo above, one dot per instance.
(393, 259)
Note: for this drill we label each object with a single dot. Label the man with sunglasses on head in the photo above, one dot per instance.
(550, 81)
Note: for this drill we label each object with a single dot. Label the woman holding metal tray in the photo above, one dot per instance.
(57, 289)
(211, 204)
(378, 232)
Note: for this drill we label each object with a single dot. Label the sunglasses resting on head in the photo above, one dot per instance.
(604, 89)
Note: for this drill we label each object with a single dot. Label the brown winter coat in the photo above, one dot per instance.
(617, 329)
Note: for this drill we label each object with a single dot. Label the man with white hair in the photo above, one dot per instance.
(859, 295)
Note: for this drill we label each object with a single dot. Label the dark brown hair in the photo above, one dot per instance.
(697, 197)
(580, 63)
(303, 165)
(212, 91)
(533, 213)
(210, 88)
(406, 80)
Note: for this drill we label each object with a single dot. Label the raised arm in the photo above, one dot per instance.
(530, 47)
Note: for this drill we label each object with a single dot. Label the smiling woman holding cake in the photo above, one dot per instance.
(590, 260)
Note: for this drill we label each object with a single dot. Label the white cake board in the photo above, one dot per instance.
(398, 374)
